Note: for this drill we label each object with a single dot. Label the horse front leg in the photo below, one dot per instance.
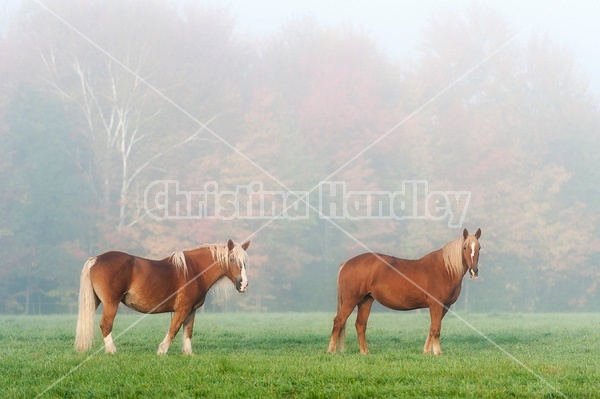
(432, 344)
(188, 329)
(178, 318)
(437, 349)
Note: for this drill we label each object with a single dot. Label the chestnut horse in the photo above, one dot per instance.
(178, 283)
(433, 282)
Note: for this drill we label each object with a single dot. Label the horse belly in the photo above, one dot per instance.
(400, 301)
(147, 303)
(397, 293)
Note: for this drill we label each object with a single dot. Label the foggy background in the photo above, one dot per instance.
(100, 99)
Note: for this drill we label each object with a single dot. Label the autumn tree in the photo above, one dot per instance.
(108, 62)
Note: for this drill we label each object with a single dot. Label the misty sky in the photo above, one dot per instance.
(397, 25)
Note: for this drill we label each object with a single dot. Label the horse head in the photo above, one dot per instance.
(237, 260)
(470, 251)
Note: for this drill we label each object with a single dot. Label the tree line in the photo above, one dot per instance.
(101, 99)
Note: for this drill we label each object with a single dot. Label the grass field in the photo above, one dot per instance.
(283, 355)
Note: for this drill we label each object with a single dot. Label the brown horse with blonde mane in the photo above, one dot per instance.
(433, 282)
(178, 283)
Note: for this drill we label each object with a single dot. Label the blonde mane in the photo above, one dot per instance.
(453, 259)
(177, 259)
(223, 287)
(219, 254)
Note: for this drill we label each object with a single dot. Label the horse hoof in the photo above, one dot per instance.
(161, 351)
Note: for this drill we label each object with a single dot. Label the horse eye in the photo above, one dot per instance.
(465, 247)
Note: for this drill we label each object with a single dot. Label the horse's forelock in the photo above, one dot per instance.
(220, 253)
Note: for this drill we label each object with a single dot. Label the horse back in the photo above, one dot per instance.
(126, 265)
(374, 264)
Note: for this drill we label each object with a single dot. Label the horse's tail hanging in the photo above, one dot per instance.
(87, 308)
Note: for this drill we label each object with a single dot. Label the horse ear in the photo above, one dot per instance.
(230, 244)
(245, 245)
(478, 234)
(465, 233)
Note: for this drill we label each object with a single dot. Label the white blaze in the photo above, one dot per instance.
(472, 252)
(244, 279)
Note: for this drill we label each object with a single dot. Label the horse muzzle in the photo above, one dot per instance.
(474, 272)
(241, 284)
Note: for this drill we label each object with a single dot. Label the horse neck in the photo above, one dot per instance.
(210, 270)
(455, 274)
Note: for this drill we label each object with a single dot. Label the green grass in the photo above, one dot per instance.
(283, 355)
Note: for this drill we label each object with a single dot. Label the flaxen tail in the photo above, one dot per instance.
(87, 309)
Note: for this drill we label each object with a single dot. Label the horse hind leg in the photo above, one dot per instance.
(106, 325)
(339, 327)
(364, 309)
